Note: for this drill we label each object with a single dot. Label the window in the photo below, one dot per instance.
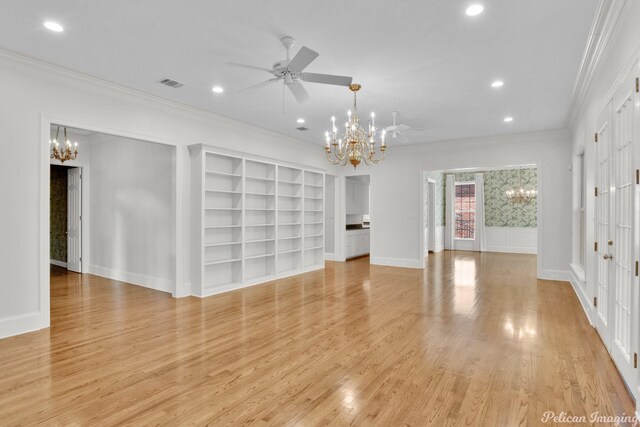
(465, 210)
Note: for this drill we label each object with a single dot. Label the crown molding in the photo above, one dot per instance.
(82, 81)
(608, 19)
(559, 135)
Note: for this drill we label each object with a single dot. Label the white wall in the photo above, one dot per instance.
(621, 52)
(329, 215)
(33, 94)
(615, 52)
(396, 189)
(132, 212)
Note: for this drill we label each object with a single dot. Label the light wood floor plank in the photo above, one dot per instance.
(474, 339)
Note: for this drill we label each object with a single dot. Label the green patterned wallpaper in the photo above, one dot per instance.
(499, 212)
(58, 213)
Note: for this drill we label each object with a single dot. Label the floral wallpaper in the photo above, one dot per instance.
(499, 212)
(58, 213)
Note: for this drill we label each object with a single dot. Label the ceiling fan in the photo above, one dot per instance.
(290, 71)
(396, 130)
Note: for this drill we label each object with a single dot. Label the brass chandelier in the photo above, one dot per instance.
(520, 195)
(356, 144)
(69, 152)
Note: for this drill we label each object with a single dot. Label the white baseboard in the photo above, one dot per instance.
(512, 249)
(185, 293)
(329, 257)
(234, 287)
(397, 262)
(560, 275)
(20, 324)
(157, 284)
(585, 302)
(58, 263)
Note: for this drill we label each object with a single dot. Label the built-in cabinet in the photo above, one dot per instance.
(357, 198)
(253, 220)
(357, 243)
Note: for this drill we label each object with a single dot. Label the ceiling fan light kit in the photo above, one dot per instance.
(291, 72)
(356, 144)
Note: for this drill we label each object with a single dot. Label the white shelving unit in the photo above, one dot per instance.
(258, 220)
(290, 203)
(313, 238)
(222, 231)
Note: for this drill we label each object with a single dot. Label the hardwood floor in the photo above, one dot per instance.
(473, 340)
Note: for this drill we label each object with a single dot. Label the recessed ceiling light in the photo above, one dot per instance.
(300, 120)
(474, 9)
(217, 89)
(508, 119)
(54, 26)
(497, 83)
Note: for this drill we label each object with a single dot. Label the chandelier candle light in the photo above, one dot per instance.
(356, 144)
(521, 195)
(66, 153)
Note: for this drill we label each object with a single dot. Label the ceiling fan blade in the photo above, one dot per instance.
(402, 128)
(298, 91)
(259, 85)
(327, 79)
(303, 58)
(391, 129)
(253, 67)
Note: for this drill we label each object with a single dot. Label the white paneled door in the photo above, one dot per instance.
(74, 220)
(617, 219)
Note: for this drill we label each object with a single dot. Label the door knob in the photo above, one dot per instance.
(607, 256)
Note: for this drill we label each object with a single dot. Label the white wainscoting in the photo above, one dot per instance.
(518, 240)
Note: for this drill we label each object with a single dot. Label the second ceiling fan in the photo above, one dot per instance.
(291, 72)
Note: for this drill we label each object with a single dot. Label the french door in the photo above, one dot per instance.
(617, 229)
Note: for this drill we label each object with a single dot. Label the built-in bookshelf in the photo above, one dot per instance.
(290, 215)
(313, 231)
(222, 211)
(258, 220)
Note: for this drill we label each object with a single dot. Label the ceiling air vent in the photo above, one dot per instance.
(171, 83)
(302, 129)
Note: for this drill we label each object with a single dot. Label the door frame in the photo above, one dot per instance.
(539, 166)
(86, 179)
(431, 219)
(81, 220)
(181, 156)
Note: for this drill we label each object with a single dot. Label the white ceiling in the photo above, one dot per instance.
(424, 58)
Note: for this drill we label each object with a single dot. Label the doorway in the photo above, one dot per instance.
(357, 218)
(430, 217)
(65, 242)
(127, 213)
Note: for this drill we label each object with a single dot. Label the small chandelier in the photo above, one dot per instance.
(356, 144)
(69, 152)
(521, 195)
